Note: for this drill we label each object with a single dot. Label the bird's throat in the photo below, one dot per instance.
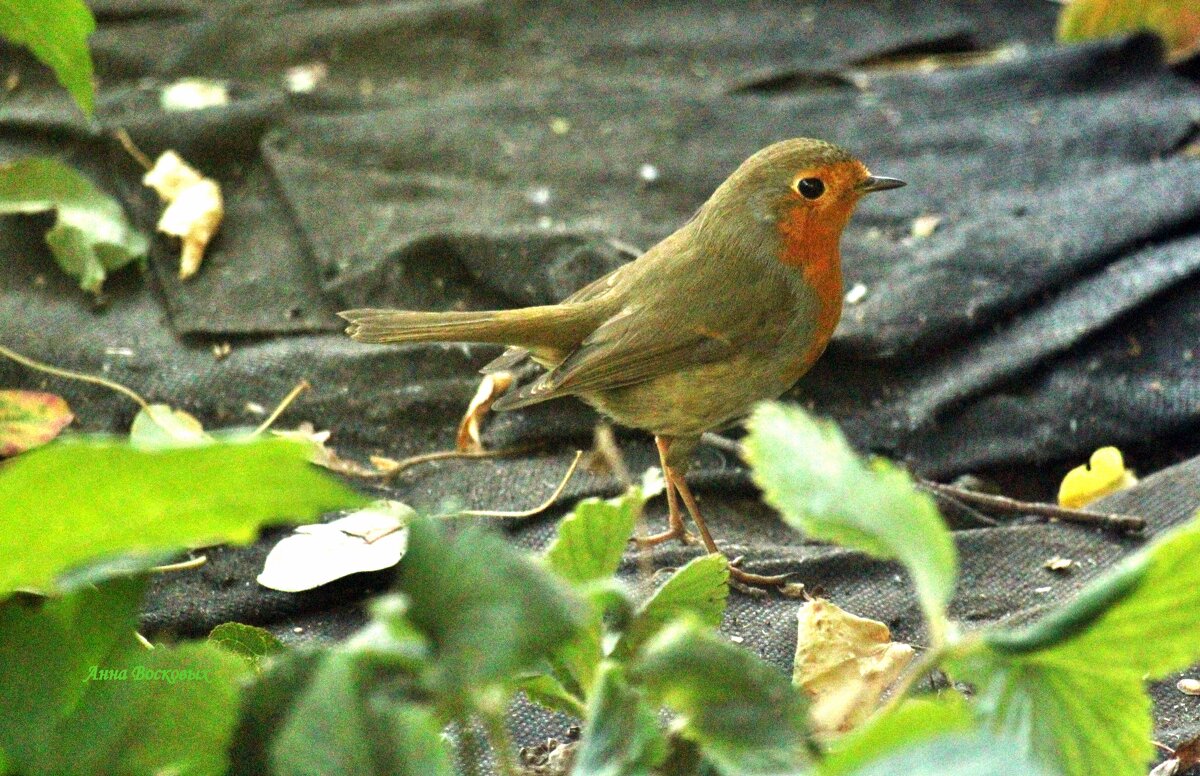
(811, 244)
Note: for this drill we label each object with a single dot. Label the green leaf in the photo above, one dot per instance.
(912, 722)
(29, 419)
(622, 737)
(957, 753)
(158, 425)
(745, 714)
(592, 539)
(1074, 721)
(488, 612)
(809, 473)
(72, 673)
(546, 690)
(56, 31)
(1152, 598)
(347, 721)
(700, 588)
(266, 707)
(91, 236)
(250, 643)
(75, 501)
(1177, 22)
(46, 652)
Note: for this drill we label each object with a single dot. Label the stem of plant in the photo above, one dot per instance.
(53, 370)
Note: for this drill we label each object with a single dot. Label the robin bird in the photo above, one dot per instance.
(729, 310)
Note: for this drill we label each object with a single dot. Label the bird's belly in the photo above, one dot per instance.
(702, 398)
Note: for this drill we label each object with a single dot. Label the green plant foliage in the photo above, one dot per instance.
(1075, 722)
(912, 722)
(82, 696)
(1070, 686)
(346, 722)
(1153, 597)
(592, 539)
(622, 736)
(56, 31)
(699, 589)
(75, 501)
(745, 714)
(809, 473)
(487, 611)
(266, 706)
(91, 236)
(251, 643)
(957, 753)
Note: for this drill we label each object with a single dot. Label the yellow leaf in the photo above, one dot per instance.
(1105, 473)
(844, 663)
(1177, 22)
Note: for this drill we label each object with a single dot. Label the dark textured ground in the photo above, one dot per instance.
(1052, 311)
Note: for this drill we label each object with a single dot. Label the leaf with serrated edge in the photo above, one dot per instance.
(592, 539)
(473, 589)
(809, 473)
(91, 235)
(622, 736)
(744, 713)
(699, 588)
(1075, 721)
(56, 31)
(248, 642)
(29, 419)
(74, 501)
(1153, 597)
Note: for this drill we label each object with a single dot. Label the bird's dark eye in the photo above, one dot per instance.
(810, 188)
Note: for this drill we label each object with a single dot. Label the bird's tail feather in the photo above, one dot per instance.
(552, 325)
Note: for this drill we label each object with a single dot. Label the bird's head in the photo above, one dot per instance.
(791, 201)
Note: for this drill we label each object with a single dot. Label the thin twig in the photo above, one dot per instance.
(53, 370)
(131, 148)
(1129, 523)
(283, 405)
(388, 468)
(183, 565)
(145, 642)
(538, 509)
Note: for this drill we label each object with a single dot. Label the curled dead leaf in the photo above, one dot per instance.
(844, 663)
(194, 207)
(491, 388)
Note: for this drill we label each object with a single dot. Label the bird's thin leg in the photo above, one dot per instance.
(736, 574)
(675, 526)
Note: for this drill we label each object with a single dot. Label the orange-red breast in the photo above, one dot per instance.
(729, 310)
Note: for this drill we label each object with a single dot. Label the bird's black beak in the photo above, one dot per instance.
(880, 183)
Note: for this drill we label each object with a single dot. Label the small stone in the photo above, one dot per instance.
(856, 294)
(648, 173)
(1188, 686)
(1058, 563)
(923, 226)
(559, 125)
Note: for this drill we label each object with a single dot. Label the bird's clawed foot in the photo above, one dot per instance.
(756, 580)
(674, 532)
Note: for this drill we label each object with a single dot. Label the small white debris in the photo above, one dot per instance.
(302, 79)
(194, 207)
(194, 94)
(648, 173)
(1059, 563)
(1042, 590)
(856, 294)
(118, 351)
(737, 639)
(559, 125)
(254, 408)
(539, 196)
(923, 226)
